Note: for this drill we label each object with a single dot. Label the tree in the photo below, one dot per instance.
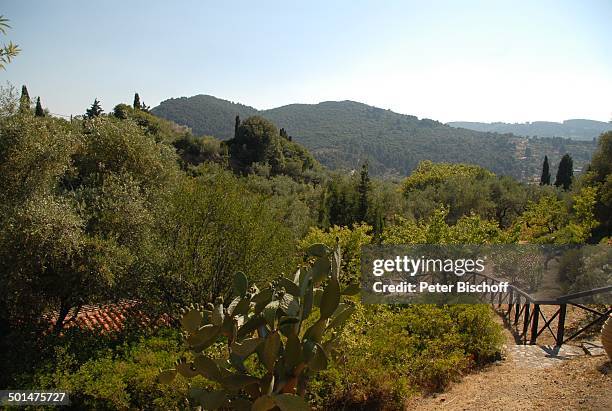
(236, 126)
(138, 105)
(470, 229)
(601, 163)
(39, 112)
(122, 111)
(136, 101)
(257, 141)
(341, 202)
(350, 239)
(78, 216)
(215, 227)
(600, 175)
(24, 100)
(95, 110)
(363, 190)
(545, 178)
(7, 51)
(283, 133)
(565, 172)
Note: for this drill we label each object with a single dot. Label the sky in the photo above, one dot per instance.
(463, 60)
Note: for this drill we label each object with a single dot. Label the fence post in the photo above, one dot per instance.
(561, 324)
(517, 309)
(510, 300)
(534, 324)
(526, 321)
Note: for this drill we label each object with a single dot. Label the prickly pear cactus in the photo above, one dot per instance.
(273, 324)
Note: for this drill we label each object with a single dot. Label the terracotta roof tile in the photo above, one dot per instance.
(109, 317)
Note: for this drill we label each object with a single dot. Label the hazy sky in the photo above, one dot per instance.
(486, 60)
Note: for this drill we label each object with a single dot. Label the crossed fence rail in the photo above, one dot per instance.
(524, 312)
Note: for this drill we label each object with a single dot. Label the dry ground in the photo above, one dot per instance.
(580, 383)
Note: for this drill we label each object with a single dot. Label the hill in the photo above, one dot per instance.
(344, 133)
(577, 129)
(205, 115)
(341, 134)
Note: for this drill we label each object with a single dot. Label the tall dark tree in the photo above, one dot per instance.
(545, 178)
(341, 202)
(95, 110)
(137, 104)
(565, 172)
(39, 112)
(236, 126)
(24, 100)
(283, 134)
(363, 190)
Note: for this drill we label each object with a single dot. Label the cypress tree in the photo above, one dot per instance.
(565, 172)
(95, 110)
(39, 112)
(137, 105)
(363, 190)
(24, 100)
(283, 134)
(236, 126)
(545, 178)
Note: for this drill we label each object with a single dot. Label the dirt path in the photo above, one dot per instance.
(529, 378)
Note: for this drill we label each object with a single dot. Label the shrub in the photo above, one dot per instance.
(388, 353)
(350, 240)
(123, 377)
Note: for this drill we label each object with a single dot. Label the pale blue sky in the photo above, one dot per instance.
(447, 60)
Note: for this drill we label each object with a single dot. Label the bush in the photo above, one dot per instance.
(350, 240)
(124, 377)
(389, 353)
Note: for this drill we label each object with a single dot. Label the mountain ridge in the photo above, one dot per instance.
(577, 128)
(343, 134)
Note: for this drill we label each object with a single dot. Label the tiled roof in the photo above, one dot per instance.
(110, 317)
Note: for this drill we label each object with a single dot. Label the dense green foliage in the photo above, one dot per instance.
(217, 227)
(343, 134)
(129, 206)
(350, 241)
(100, 372)
(388, 353)
(599, 177)
(258, 144)
(464, 189)
(565, 172)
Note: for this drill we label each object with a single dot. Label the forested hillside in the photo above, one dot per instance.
(577, 129)
(205, 115)
(343, 134)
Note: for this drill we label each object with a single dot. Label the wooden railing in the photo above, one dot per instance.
(524, 313)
